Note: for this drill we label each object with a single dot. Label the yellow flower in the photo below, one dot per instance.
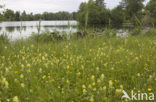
(110, 84)
(44, 76)
(22, 85)
(149, 89)
(84, 91)
(102, 76)
(94, 89)
(98, 81)
(83, 86)
(5, 47)
(92, 77)
(93, 84)
(40, 70)
(92, 99)
(28, 65)
(15, 99)
(5, 83)
(138, 74)
(121, 86)
(21, 76)
(89, 86)
(39, 54)
(59, 87)
(118, 91)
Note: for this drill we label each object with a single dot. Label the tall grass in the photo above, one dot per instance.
(84, 70)
(38, 30)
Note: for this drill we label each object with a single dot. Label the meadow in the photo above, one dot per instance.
(84, 70)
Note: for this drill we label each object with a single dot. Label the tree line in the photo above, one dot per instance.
(10, 15)
(95, 13)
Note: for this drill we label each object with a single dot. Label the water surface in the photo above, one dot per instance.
(24, 29)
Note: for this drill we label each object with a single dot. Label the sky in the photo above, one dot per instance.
(40, 6)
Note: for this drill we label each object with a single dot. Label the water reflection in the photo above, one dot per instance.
(24, 29)
(10, 29)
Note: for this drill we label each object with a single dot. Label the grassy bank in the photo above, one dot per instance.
(83, 70)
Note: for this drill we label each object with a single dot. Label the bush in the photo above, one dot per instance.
(150, 32)
(136, 31)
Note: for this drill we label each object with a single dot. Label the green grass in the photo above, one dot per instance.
(84, 70)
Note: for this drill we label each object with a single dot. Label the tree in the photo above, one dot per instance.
(117, 16)
(23, 16)
(17, 16)
(151, 8)
(93, 13)
(132, 8)
(9, 15)
(100, 3)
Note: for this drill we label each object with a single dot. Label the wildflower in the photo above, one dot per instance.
(15, 99)
(44, 76)
(110, 84)
(92, 99)
(149, 89)
(118, 91)
(104, 88)
(43, 58)
(15, 80)
(138, 74)
(116, 81)
(94, 89)
(102, 76)
(121, 86)
(68, 81)
(39, 54)
(97, 69)
(92, 77)
(78, 74)
(22, 66)
(5, 83)
(83, 86)
(8, 100)
(40, 70)
(21, 76)
(28, 65)
(98, 81)
(89, 86)
(68, 67)
(84, 91)
(22, 85)
(93, 84)
(59, 87)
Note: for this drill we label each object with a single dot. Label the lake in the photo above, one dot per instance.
(24, 29)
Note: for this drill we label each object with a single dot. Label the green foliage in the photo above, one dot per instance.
(151, 8)
(10, 15)
(95, 14)
(98, 14)
(151, 32)
(117, 17)
(133, 9)
(136, 31)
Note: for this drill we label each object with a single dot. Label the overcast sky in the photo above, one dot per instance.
(39, 6)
